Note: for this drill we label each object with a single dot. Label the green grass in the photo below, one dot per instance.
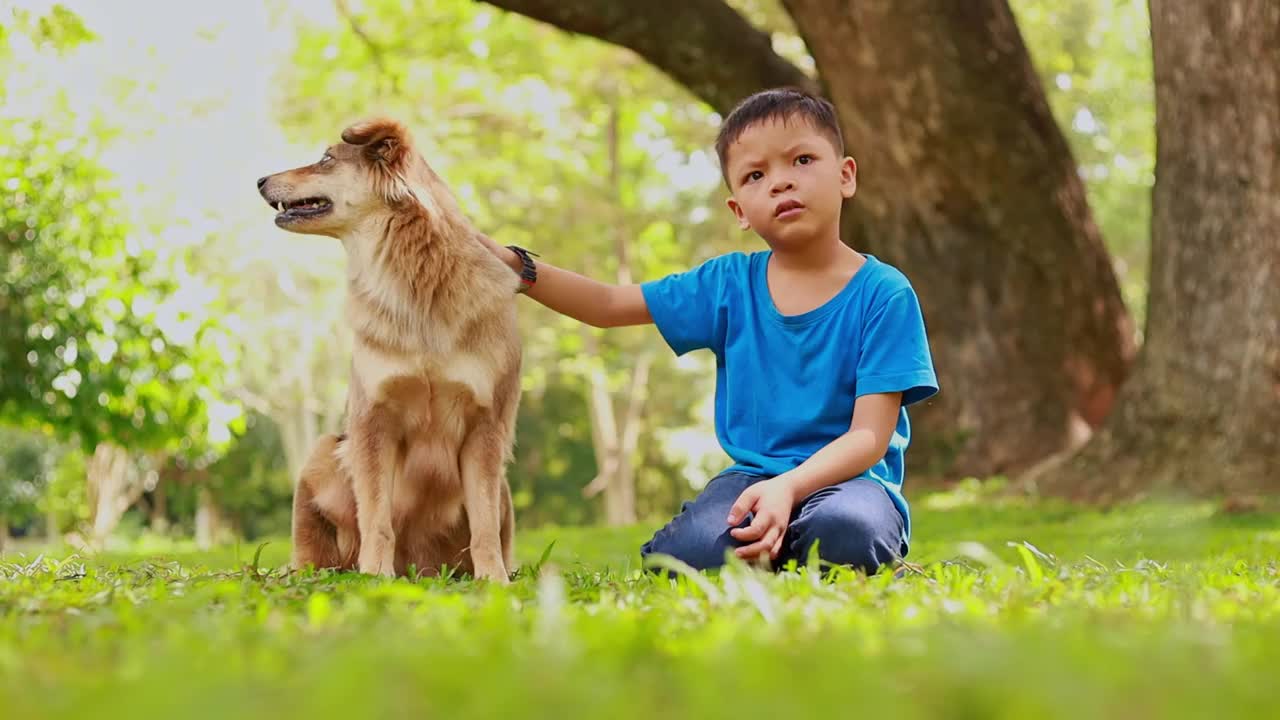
(1034, 611)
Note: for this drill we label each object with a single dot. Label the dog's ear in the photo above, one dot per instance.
(383, 141)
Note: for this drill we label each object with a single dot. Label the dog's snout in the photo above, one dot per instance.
(262, 181)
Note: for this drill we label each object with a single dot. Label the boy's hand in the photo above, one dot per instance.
(771, 501)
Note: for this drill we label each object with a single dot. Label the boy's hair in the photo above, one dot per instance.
(783, 104)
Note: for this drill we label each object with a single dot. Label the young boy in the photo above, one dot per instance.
(819, 351)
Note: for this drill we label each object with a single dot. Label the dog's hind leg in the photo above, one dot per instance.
(324, 524)
(315, 539)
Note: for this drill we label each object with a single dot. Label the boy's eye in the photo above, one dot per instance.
(753, 176)
(804, 159)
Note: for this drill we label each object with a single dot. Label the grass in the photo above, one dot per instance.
(1018, 611)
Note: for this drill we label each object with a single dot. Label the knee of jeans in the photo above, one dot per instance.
(700, 550)
(848, 536)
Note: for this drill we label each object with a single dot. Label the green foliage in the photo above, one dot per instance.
(92, 345)
(102, 337)
(41, 479)
(65, 500)
(252, 484)
(60, 30)
(24, 468)
(1017, 611)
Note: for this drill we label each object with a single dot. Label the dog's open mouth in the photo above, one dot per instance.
(304, 208)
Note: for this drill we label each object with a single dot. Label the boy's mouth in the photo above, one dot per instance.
(788, 208)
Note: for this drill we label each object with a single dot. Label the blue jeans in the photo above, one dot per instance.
(855, 523)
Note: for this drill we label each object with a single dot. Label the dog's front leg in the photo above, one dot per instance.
(372, 457)
(483, 472)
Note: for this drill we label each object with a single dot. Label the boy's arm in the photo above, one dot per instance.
(568, 293)
(875, 417)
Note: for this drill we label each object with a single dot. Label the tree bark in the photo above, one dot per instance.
(704, 45)
(1202, 413)
(208, 520)
(160, 508)
(967, 185)
(615, 442)
(114, 485)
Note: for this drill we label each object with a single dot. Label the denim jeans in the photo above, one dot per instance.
(855, 523)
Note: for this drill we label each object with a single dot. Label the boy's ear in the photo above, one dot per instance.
(848, 177)
(737, 212)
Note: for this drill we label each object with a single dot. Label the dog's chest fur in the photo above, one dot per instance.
(429, 364)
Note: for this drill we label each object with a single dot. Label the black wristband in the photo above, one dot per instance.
(528, 270)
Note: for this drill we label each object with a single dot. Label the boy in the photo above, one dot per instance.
(819, 351)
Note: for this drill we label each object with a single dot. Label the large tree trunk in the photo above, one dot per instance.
(1202, 412)
(208, 518)
(160, 508)
(967, 185)
(970, 188)
(114, 485)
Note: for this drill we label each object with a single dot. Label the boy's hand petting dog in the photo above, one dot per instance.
(771, 501)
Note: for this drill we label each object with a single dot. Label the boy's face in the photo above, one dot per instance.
(788, 182)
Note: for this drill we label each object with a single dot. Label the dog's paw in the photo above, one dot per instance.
(377, 564)
(383, 569)
(491, 570)
(497, 578)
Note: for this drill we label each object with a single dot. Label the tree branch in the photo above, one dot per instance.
(704, 45)
(375, 50)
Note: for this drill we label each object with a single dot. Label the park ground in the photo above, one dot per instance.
(1016, 610)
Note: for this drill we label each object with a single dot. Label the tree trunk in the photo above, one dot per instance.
(4, 533)
(967, 185)
(208, 520)
(616, 443)
(704, 45)
(1202, 412)
(114, 485)
(160, 508)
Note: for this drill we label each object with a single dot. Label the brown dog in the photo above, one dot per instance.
(419, 477)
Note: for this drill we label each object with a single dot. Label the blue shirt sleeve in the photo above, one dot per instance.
(687, 307)
(895, 353)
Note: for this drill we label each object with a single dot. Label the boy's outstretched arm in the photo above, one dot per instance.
(581, 298)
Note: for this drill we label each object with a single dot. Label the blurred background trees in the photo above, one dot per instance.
(167, 355)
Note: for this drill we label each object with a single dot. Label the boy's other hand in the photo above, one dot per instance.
(771, 501)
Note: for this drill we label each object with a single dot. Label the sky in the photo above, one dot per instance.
(200, 131)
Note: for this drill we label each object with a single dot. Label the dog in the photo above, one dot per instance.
(418, 477)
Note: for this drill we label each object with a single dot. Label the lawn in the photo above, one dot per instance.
(1017, 611)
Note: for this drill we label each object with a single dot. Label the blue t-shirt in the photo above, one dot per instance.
(786, 384)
